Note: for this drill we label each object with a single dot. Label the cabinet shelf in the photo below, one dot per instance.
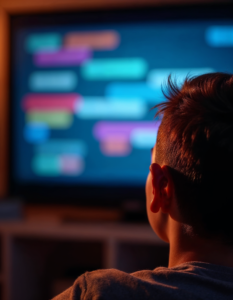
(37, 256)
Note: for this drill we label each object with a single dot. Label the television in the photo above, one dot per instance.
(83, 85)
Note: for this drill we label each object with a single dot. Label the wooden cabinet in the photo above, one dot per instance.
(38, 260)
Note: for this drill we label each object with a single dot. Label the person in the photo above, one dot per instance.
(189, 197)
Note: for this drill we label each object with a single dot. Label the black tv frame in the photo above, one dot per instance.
(93, 195)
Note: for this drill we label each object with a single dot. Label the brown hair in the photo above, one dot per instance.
(195, 140)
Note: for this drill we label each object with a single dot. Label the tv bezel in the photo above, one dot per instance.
(95, 195)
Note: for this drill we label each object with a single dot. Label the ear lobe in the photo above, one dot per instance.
(169, 181)
(155, 204)
(161, 188)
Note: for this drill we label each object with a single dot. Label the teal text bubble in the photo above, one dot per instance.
(39, 42)
(60, 146)
(115, 68)
(46, 165)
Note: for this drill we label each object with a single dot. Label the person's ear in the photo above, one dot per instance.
(162, 186)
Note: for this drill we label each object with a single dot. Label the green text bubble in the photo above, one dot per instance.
(54, 119)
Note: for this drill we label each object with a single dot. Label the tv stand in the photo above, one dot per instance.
(69, 213)
(40, 259)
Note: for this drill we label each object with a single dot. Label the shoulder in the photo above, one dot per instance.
(114, 284)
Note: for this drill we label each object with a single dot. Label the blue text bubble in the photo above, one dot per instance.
(219, 36)
(100, 108)
(56, 81)
(133, 90)
(36, 133)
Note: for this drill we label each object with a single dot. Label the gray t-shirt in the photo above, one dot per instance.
(188, 281)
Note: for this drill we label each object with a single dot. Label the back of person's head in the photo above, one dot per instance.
(195, 140)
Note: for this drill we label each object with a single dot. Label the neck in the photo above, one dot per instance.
(185, 248)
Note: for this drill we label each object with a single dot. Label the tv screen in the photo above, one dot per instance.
(83, 85)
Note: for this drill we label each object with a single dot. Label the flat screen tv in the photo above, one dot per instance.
(82, 88)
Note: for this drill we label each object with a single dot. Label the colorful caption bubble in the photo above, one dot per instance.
(36, 133)
(51, 102)
(42, 42)
(114, 68)
(62, 57)
(71, 165)
(54, 81)
(55, 165)
(103, 130)
(54, 119)
(140, 90)
(100, 108)
(63, 146)
(143, 138)
(115, 146)
(158, 77)
(125, 135)
(99, 40)
(46, 165)
(219, 36)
